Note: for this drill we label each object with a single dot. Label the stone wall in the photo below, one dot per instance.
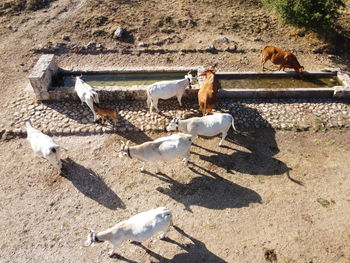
(41, 76)
(113, 93)
(46, 67)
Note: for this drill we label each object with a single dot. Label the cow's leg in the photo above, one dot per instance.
(262, 62)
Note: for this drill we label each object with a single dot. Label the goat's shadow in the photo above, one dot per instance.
(91, 185)
(260, 142)
(195, 251)
(72, 110)
(83, 115)
(259, 159)
(207, 190)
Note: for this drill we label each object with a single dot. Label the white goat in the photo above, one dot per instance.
(163, 149)
(209, 125)
(167, 89)
(200, 76)
(44, 145)
(87, 94)
(139, 228)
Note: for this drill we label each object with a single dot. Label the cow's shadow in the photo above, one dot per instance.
(207, 190)
(91, 185)
(196, 251)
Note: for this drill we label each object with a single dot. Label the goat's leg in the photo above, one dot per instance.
(143, 167)
(157, 167)
(91, 106)
(187, 156)
(179, 99)
(155, 104)
(114, 245)
(223, 136)
(150, 104)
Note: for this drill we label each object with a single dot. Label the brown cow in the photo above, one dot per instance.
(280, 57)
(207, 94)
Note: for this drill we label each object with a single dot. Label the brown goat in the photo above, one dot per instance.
(278, 56)
(207, 95)
(102, 111)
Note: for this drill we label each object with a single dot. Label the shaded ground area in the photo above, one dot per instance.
(231, 204)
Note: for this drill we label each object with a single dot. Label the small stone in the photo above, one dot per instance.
(223, 40)
(65, 37)
(142, 44)
(118, 33)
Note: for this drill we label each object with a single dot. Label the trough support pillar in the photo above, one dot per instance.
(41, 76)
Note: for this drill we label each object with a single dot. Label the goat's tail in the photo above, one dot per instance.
(233, 123)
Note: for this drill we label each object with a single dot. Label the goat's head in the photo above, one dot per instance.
(90, 239)
(124, 149)
(190, 78)
(173, 125)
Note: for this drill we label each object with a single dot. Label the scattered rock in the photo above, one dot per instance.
(223, 40)
(65, 37)
(119, 32)
(270, 255)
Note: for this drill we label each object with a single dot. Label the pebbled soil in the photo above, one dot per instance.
(231, 204)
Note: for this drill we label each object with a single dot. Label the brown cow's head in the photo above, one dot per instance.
(300, 69)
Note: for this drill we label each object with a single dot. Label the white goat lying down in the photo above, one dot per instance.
(162, 149)
(139, 228)
(44, 145)
(167, 89)
(209, 125)
(87, 94)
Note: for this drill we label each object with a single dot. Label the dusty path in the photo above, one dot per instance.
(231, 204)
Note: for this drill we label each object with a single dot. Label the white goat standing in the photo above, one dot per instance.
(87, 94)
(162, 149)
(209, 125)
(167, 89)
(139, 228)
(44, 145)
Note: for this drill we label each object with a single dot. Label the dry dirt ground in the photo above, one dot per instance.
(231, 204)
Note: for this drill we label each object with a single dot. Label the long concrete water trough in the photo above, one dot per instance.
(50, 82)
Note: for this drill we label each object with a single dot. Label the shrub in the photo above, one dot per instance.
(37, 4)
(317, 15)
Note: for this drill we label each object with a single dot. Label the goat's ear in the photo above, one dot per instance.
(123, 143)
(127, 143)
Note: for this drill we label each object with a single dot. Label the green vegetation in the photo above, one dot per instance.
(317, 15)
